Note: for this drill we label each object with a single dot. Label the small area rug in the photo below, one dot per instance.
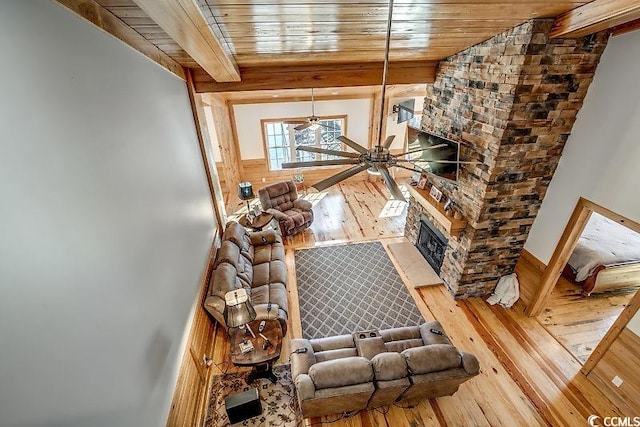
(343, 289)
(279, 403)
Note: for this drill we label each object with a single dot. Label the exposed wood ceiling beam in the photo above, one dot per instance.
(182, 20)
(317, 76)
(106, 21)
(595, 16)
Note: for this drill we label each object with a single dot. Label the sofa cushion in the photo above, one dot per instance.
(268, 253)
(369, 347)
(275, 293)
(341, 372)
(401, 345)
(236, 234)
(223, 280)
(332, 343)
(432, 358)
(389, 366)
(337, 353)
(301, 362)
(265, 237)
(269, 272)
(298, 216)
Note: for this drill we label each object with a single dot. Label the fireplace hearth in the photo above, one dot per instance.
(432, 244)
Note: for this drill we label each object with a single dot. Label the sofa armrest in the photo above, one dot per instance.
(279, 216)
(265, 237)
(470, 363)
(429, 337)
(302, 204)
(215, 306)
(305, 388)
(301, 362)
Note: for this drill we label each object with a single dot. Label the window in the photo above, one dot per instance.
(281, 140)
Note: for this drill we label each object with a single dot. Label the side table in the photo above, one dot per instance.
(258, 222)
(261, 357)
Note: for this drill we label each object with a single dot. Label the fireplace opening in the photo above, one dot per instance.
(432, 244)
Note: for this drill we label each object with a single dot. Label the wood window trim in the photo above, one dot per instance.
(265, 145)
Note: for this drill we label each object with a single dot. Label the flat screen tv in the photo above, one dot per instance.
(426, 147)
(405, 110)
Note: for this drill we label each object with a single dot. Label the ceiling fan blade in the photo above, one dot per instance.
(417, 150)
(302, 126)
(294, 122)
(439, 161)
(332, 180)
(326, 151)
(387, 142)
(359, 148)
(391, 184)
(327, 127)
(336, 162)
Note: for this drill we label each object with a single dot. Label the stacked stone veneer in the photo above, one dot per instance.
(511, 101)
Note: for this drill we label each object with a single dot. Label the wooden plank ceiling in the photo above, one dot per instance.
(285, 40)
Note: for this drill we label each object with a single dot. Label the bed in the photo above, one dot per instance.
(607, 256)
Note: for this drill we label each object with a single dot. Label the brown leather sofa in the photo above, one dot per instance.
(370, 369)
(254, 261)
(281, 201)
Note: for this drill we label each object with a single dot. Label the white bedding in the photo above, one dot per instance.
(603, 242)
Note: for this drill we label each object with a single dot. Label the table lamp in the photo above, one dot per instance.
(245, 192)
(238, 310)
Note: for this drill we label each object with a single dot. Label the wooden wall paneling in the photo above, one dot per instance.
(595, 16)
(199, 118)
(529, 270)
(622, 360)
(192, 388)
(229, 150)
(110, 23)
(319, 76)
(184, 22)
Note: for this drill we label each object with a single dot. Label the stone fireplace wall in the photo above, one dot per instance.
(511, 101)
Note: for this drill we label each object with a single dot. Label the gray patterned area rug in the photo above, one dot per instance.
(342, 289)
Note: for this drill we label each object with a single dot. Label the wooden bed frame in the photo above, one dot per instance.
(607, 277)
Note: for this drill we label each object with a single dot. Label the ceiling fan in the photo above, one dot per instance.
(377, 160)
(312, 121)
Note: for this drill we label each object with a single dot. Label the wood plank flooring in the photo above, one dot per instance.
(527, 377)
(581, 323)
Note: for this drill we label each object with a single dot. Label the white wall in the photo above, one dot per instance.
(601, 161)
(105, 224)
(400, 129)
(248, 116)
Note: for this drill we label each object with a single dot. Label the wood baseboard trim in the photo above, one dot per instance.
(529, 270)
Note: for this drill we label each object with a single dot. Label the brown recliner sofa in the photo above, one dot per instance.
(281, 201)
(370, 369)
(255, 262)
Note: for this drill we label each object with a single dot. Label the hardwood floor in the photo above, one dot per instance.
(527, 377)
(578, 323)
(348, 212)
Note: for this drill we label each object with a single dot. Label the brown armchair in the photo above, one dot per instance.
(281, 201)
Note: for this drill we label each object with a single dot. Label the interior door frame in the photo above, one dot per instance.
(568, 241)
(574, 228)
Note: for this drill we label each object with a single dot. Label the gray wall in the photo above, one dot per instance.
(105, 224)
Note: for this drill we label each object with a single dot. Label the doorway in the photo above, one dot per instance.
(586, 326)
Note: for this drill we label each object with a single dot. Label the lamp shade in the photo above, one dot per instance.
(238, 310)
(245, 191)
